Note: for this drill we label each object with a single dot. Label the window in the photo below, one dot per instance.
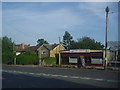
(97, 61)
(72, 59)
(43, 52)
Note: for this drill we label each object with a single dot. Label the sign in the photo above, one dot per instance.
(80, 51)
(72, 60)
(97, 61)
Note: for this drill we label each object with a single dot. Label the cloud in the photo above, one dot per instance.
(48, 25)
(96, 8)
(29, 22)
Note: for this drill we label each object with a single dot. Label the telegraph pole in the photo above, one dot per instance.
(59, 53)
(14, 52)
(106, 39)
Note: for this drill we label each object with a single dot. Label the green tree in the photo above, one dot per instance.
(67, 38)
(7, 50)
(41, 41)
(88, 43)
(73, 44)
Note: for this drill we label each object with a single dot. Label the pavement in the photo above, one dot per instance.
(51, 77)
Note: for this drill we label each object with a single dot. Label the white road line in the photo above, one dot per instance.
(14, 71)
(99, 79)
(85, 78)
(74, 77)
(31, 73)
(111, 81)
(25, 72)
(55, 75)
(64, 76)
(19, 72)
(38, 74)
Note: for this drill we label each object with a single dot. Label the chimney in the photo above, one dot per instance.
(22, 45)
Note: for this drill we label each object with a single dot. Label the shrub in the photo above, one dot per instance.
(50, 60)
(28, 57)
(7, 58)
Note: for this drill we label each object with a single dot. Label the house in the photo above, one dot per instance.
(47, 50)
(20, 48)
(43, 51)
(84, 57)
(33, 48)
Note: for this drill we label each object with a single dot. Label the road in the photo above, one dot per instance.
(54, 77)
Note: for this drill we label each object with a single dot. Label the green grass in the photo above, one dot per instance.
(50, 60)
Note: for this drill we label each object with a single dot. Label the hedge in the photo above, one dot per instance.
(26, 58)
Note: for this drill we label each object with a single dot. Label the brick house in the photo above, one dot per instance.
(47, 50)
(43, 51)
(20, 48)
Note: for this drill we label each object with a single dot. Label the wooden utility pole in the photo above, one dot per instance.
(106, 39)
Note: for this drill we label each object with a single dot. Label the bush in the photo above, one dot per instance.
(50, 60)
(7, 58)
(28, 57)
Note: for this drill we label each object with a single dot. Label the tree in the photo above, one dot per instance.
(73, 44)
(41, 41)
(7, 50)
(67, 38)
(88, 43)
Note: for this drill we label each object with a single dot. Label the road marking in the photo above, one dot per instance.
(112, 81)
(99, 79)
(64, 76)
(25, 72)
(74, 77)
(14, 71)
(85, 78)
(55, 75)
(20, 72)
(31, 73)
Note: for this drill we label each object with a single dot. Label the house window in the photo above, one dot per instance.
(43, 51)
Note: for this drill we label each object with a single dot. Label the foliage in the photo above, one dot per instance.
(29, 57)
(88, 43)
(67, 38)
(81, 43)
(41, 41)
(7, 50)
(7, 58)
(50, 60)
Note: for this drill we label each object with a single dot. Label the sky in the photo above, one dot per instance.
(26, 22)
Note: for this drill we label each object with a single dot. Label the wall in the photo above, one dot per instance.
(56, 50)
(43, 55)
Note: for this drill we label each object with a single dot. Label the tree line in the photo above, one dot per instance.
(81, 43)
(8, 53)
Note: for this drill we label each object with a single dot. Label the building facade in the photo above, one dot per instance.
(84, 57)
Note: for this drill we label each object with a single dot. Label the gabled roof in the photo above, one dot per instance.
(33, 48)
(54, 45)
(19, 47)
(49, 47)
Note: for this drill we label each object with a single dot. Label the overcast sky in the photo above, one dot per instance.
(26, 22)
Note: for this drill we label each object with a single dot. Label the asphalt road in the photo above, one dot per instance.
(50, 77)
